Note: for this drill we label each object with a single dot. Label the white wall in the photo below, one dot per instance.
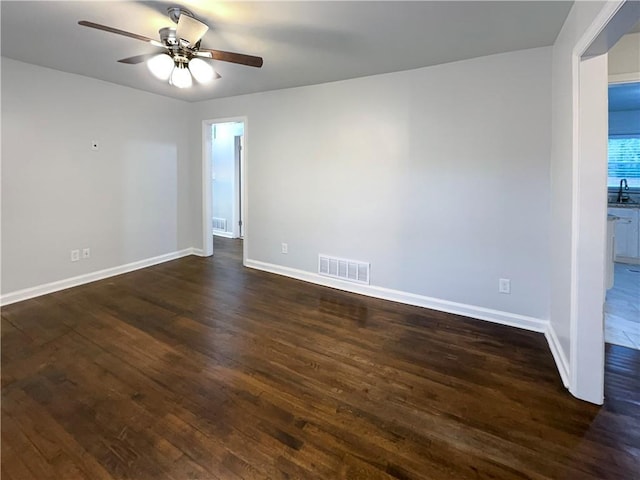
(580, 18)
(438, 176)
(590, 229)
(127, 202)
(624, 57)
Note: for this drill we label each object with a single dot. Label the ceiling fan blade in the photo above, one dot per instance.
(190, 29)
(117, 31)
(231, 57)
(138, 58)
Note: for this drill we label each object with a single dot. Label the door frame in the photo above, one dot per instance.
(588, 226)
(238, 221)
(207, 203)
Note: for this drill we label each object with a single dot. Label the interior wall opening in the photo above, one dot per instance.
(590, 250)
(622, 305)
(226, 184)
(224, 192)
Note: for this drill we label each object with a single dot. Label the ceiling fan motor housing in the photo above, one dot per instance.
(179, 51)
(175, 12)
(168, 36)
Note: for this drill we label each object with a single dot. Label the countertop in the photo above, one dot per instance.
(623, 205)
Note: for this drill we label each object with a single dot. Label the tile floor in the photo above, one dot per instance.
(622, 308)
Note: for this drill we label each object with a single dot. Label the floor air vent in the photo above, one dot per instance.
(220, 224)
(349, 270)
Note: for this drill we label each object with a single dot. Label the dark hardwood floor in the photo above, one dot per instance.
(202, 369)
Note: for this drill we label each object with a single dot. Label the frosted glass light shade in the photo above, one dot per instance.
(181, 77)
(161, 66)
(201, 70)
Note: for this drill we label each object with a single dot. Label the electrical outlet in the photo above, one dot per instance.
(504, 285)
(94, 145)
(75, 255)
(86, 252)
(285, 248)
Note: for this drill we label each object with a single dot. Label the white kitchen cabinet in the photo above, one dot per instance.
(627, 234)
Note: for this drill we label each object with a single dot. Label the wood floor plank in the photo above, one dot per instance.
(13, 465)
(202, 369)
(18, 441)
(50, 438)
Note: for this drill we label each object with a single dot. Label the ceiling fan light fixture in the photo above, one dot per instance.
(201, 70)
(161, 66)
(178, 63)
(181, 77)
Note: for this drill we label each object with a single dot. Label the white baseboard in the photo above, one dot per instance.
(558, 354)
(481, 313)
(58, 285)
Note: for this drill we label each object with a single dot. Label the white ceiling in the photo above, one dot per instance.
(302, 43)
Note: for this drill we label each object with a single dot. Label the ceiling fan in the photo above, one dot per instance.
(181, 57)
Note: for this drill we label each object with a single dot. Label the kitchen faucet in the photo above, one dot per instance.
(620, 195)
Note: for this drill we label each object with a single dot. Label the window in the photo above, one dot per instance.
(624, 160)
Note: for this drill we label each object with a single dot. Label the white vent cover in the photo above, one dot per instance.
(220, 224)
(344, 269)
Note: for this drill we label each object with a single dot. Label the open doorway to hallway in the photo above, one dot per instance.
(226, 179)
(224, 192)
(587, 349)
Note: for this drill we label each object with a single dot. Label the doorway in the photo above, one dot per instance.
(588, 258)
(622, 306)
(224, 177)
(226, 183)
